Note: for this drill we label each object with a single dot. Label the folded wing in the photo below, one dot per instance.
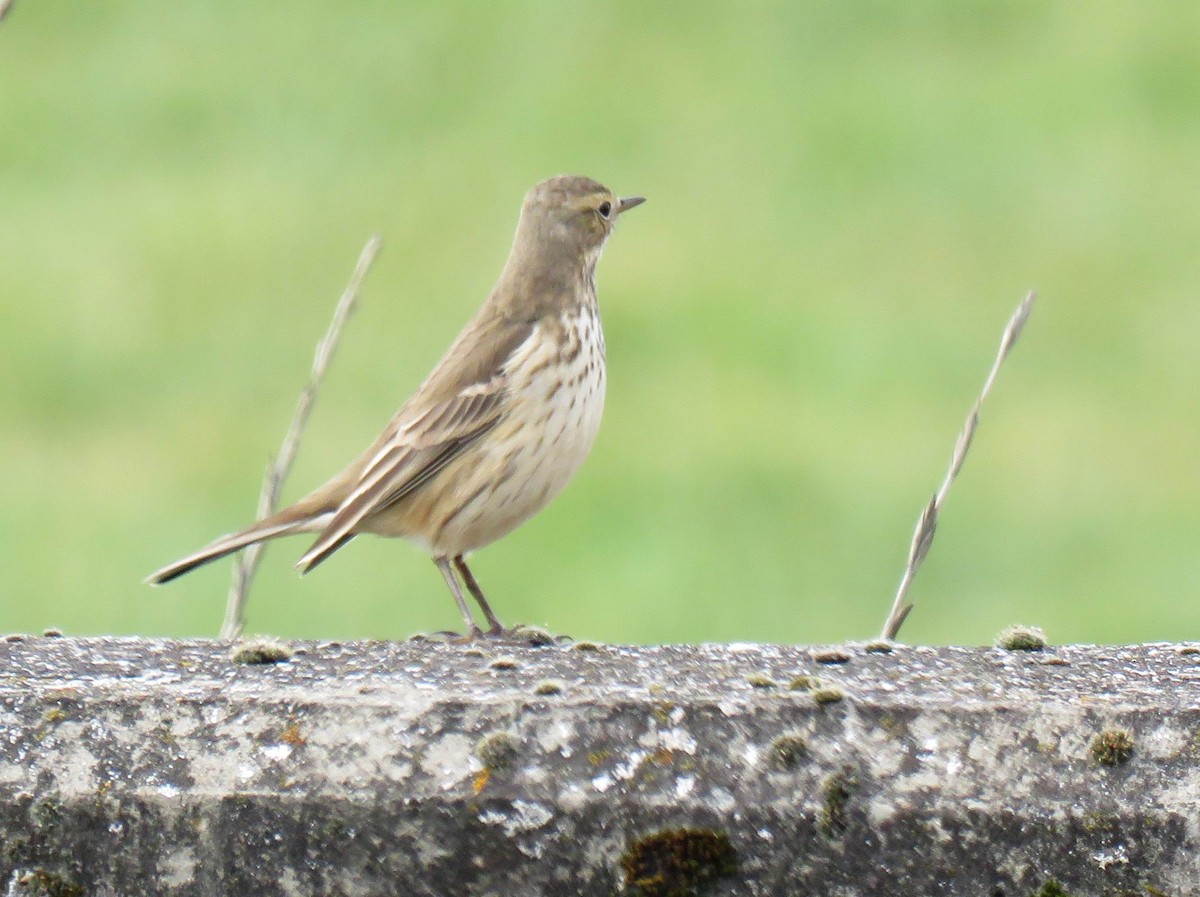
(425, 436)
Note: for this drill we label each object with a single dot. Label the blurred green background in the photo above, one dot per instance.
(847, 200)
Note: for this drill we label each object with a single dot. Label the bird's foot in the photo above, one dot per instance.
(519, 635)
(524, 635)
(492, 634)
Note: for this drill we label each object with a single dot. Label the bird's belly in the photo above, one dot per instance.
(517, 468)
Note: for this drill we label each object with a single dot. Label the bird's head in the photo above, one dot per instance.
(570, 216)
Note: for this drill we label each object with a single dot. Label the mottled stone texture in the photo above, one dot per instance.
(161, 767)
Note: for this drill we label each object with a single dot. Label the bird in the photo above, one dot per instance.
(498, 428)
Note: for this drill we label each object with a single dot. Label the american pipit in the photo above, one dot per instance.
(500, 425)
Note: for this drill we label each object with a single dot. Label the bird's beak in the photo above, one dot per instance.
(628, 202)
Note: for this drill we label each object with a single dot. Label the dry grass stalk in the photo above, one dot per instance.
(278, 468)
(927, 524)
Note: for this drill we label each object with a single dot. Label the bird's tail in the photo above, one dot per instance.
(288, 521)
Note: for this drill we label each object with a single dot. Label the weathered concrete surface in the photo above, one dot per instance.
(159, 767)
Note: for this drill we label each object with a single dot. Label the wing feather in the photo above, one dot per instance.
(418, 449)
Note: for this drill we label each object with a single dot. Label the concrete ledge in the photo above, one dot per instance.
(130, 766)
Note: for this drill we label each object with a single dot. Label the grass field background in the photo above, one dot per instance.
(846, 201)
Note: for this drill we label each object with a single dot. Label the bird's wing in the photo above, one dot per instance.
(436, 425)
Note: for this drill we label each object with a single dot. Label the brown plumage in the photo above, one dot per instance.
(498, 427)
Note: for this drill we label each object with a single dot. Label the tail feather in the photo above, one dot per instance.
(313, 556)
(270, 528)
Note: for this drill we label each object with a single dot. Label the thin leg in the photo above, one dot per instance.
(443, 564)
(495, 627)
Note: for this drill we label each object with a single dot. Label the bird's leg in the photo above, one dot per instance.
(495, 627)
(443, 564)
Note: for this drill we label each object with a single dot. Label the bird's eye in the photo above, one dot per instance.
(605, 209)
